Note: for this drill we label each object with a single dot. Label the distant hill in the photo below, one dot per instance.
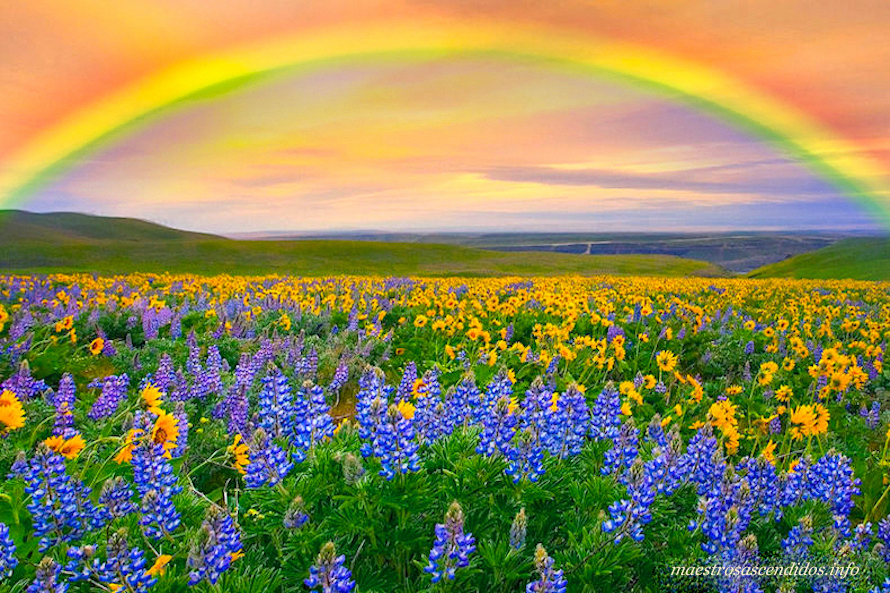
(858, 259)
(738, 251)
(64, 242)
(18, 226)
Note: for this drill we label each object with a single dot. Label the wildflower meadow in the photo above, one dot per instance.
(267, 434)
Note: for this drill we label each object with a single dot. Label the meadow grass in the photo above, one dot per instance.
(327, 257)
(856, 259)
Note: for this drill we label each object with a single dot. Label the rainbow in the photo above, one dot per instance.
(107, 121)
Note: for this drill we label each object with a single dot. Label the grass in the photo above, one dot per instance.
(857, 259)
(325, 257)
(18, 226)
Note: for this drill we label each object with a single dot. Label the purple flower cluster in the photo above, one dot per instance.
(452, 547)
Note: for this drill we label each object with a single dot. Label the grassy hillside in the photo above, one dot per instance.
(859, 259)
(315, 258)
(18, 226)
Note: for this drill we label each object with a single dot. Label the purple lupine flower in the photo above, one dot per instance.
(341, 376)
(623, 451)
(218, 542)
(328, 574)
(518, 530)
(116, 498)
(549, 580)
(296, 516)
(8, 561)
(269, 463)
(114, 391)
(452, 547)
(799, 539)
(47, 578)
(125, 566)
(60, 505)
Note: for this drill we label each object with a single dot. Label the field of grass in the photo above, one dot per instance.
(858, 259)
(325, 257)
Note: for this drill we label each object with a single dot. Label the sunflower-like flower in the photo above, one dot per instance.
(239, 450)
(69, 448)
(666, 361)
(96, 346)
(153, 398)
(165, 432)
(12, 415)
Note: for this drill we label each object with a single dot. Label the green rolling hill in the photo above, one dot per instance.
(44, 243)
(858, 259)
(18, 226)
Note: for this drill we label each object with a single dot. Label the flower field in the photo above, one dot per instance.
(261, 434)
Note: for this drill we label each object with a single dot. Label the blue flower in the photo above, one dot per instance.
(549, 580)
(526, 456)
(296, 516)
(125, 566)
(275, 408)
(605, 415)
(46, 578)
(452, 547)
(328, 575)
(217, 545)
(116, 498)
(518, 530)
(623, 451)
(799, 539)
(498, 428)
(269, 463)
(395, 445)
(315, 423)
(8, 561)
(60, 505)
(568, 424)
(114, 391)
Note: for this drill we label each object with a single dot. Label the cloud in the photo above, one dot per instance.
(691, 180)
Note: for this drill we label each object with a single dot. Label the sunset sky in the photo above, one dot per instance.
(492, 134)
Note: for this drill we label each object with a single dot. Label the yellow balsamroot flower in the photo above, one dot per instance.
(696, 425)
(165, 432)
(449, 351)
(649, 381)
(788, 364)
(768, 452)
(420, 320)
(65, 324)
(96, 346)
(69, 448)
(160, 565)
(406, 409)
(625, 409)
(12, 415)
(285, 322)
(125, 455)
(750, 325)
(678, 410)
(784, 393)
(732, 440)
(733, 390)
(809, 420)
(839, 382)
(240, 451)
(666, 361)
(153, 398)
(723, 415)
